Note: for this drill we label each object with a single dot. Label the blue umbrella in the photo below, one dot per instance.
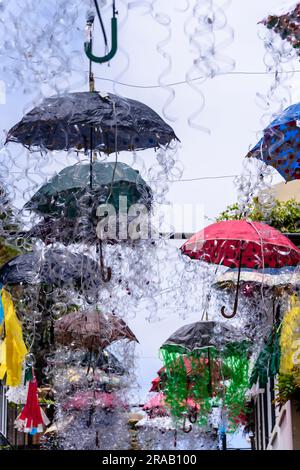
(280, 145)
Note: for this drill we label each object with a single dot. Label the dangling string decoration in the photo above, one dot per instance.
(32, 418)
(12, 348)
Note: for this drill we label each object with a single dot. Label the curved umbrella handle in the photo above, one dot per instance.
(106, 273)
(186, 430)
(114, 45)
(233, 314)
(193, 417)
(236, 300)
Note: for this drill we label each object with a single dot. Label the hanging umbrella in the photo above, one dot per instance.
(67, 200)
(287, 25)
(68, 195)
(54, 267)
(242, 244)
(84, 230)
(200, 335)
(269, 278)
(156, 406)
(85, 400)
(91, 330)
(90, 121)
(211, 344)
(280, 145)
(79, 378)
(65, 122)
(103, 360)
(272, 284)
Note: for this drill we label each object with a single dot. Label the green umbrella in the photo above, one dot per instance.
(68, 193)
(218, 363)
(69, 198)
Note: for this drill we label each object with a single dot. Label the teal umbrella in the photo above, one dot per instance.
(70, 202)
(68, 193)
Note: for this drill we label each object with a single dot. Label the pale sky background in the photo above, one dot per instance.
(231, 113)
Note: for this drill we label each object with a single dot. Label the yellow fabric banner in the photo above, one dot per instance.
(12, 349)
(290, 341)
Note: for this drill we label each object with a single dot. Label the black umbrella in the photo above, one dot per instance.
(104, 360)
(81, 230)
(55, 267)
(65, 122)
(200, 335)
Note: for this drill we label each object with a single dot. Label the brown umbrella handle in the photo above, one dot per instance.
(193, 416)
(106, 273)
(236, 300)
(186, 430)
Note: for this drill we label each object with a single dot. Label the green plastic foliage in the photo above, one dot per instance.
(205, 378)
(268, 361)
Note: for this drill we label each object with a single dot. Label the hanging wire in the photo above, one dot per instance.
(185, 82)
(101, 23)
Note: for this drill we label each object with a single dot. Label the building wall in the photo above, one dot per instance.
(282, 435)
(276, 427)
(3, 411)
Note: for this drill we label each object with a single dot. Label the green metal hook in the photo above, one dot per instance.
(114, 45)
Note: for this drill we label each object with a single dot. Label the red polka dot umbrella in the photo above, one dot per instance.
(242, 244)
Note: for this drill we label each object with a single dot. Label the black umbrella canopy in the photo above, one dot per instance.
(65, 122)
(55, 267)
(68, 193)
(200, 335)
(80, 231)
(103, 359)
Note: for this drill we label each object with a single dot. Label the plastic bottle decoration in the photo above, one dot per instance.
(12, 348)
(32, 418)
(18, 395)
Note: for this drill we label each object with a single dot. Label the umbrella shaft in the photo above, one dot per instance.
(91, 156)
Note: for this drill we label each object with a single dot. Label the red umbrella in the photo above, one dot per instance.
(242, 244)
(157, 406)
(155, 384)
(86, 400)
